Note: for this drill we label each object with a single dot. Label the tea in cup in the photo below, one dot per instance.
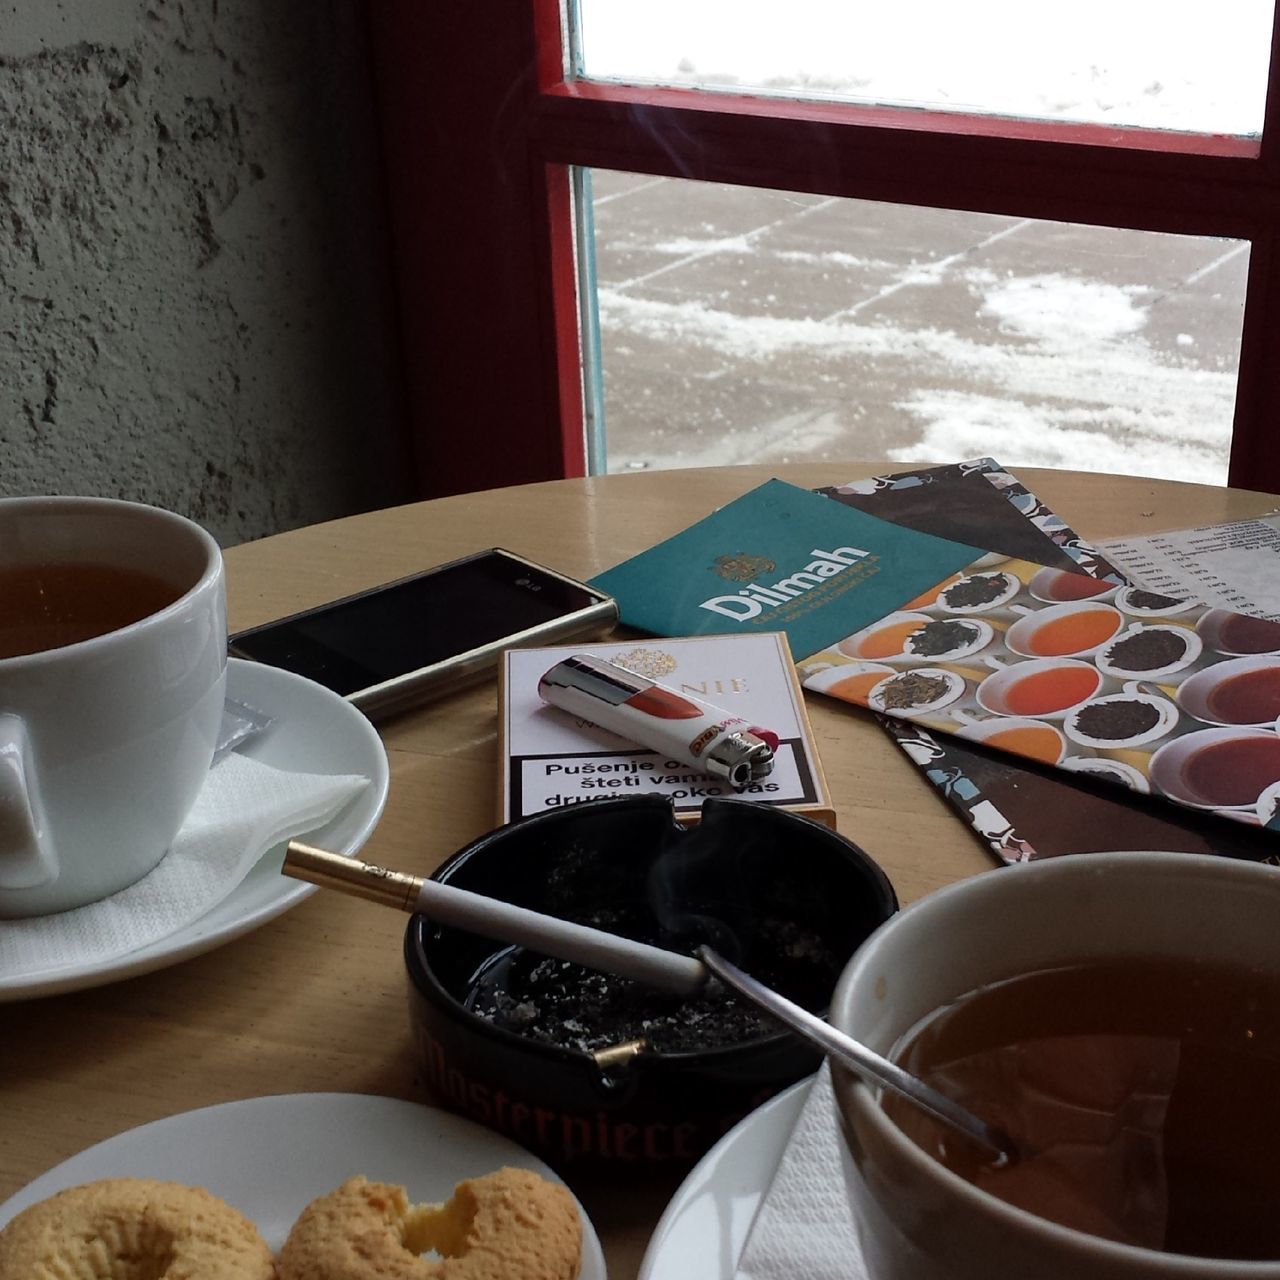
(1065, 630)
(113, 641)
(1094, 1008)
(1238, 634)
(1219, 768)
(1237, 691)
(1044, 688)
(851, 681)
(887, 638)
(1060, 586)
(1035, 739)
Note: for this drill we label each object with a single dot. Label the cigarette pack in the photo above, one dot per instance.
(550, 758)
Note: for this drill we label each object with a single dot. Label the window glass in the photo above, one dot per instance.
(743, 325)
(1165, 64)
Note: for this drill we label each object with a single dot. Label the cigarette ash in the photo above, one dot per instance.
(556, 1002)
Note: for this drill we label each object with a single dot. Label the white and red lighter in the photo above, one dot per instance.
(699, 734)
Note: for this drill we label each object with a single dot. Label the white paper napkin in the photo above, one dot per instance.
(245, 808)
(804, 1226)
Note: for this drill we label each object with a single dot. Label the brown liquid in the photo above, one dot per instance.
(1054, 689)
(48, 606)
(1232, 771)
(1252, 697)
(1243, 634)
(1142, 1093)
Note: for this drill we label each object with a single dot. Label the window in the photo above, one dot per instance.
(485, 130)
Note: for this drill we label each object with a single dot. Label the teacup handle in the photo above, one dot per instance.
(27, 858)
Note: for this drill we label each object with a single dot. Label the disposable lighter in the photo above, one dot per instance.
(699, 734)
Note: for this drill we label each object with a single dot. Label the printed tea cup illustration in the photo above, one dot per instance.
(979, 593)
(916, 637)
(1043, 688)
(849, 680)
(1242, 691)
(915, 692)
(886, 638)
(1151, 651)
(1060, 586)
(1111, 770)
(1141, 603)
(1218, 768)
(1021, 735)
(1065, 630)
(929, 599)
(1238, 635)
(1129, 719)
(1269, 804)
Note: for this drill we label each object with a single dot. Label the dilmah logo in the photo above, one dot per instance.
(753, 599)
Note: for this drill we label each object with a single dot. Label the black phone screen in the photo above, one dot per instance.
(363, 640)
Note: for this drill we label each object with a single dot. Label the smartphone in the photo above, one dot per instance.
(419, 637)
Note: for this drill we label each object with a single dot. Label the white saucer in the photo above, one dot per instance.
(268, 1157)
(314, 731)
(701, 1233)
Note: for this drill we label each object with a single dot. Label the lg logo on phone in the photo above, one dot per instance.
(529, 584)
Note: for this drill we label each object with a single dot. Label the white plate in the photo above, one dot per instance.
(701, 1233)
(268, 1157)
(315, 731)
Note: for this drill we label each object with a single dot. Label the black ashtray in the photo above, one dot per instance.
(591, 1069)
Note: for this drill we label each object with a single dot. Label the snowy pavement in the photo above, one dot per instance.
(741, 325)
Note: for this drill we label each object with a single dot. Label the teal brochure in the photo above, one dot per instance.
(781, 558)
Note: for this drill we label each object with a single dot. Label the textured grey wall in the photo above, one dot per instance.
(195, 307)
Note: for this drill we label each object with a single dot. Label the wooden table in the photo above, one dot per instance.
(316, 999)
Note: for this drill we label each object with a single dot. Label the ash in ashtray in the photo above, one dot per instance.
(558, 1003)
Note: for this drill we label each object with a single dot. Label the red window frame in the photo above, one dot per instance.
(480, 127)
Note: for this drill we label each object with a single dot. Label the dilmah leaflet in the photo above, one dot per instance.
(780, 559)
(1169, 697)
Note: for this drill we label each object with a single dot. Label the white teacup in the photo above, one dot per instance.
(107, 723)
(915, 1218)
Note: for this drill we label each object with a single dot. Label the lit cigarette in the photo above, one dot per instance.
(492, 918)
(707, 737)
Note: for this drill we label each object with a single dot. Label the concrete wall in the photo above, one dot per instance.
(195, 306)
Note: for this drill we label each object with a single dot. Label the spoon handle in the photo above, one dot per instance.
(866, 1062)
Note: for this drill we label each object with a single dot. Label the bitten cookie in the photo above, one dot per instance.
(508, 1225)
(133, 1229)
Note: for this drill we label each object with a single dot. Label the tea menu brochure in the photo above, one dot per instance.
(1166, 696)
(780, 558)
(551, 759)
(1232, 565)
(1170, 698)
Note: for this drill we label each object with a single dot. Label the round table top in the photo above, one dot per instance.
(315, 1000)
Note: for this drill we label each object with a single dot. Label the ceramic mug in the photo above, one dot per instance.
(110, 705)
(918, 1220)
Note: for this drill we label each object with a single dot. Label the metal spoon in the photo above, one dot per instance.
(866, 1062)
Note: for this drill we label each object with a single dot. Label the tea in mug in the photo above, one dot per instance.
(46, 606)
(1142, 1096)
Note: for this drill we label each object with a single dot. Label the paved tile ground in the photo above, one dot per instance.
(741, 325)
